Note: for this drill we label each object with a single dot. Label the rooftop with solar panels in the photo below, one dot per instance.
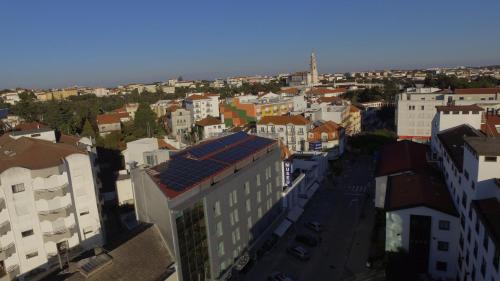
(209, 162)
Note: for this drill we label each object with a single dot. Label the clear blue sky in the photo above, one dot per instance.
(57, 43)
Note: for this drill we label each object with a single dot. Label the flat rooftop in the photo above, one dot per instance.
(489, 146)
(488, 210)
(200, 163)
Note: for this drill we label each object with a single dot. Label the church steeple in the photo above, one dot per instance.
(314, 70)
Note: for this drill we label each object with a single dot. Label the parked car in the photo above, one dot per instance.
(306, 239)
(299, 252)
(315, 226)
(279, 276)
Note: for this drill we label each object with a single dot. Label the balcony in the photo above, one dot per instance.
(54, 214)
(51, 193)
(10, 274)
(7, 251)
(59, 234)
(4, 227)
(2, 204)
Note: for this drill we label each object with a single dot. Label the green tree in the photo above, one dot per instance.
(145, 122)
(88, 130)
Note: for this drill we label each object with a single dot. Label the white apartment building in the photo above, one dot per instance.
(202, 105)
(11, 97)
(471, 164)
(48, 204)
(292, 130)
(416, 108)
(145, 151)
(209, 127)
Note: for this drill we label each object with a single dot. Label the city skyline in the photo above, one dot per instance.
(95, 44)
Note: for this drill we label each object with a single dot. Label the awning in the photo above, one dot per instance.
(312, 190)
(294, 214)
(282, 228)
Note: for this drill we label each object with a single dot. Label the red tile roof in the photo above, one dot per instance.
(203, 96)
(400, 157)
(490, 125)
(165, 145)
(111, 118)
(327, 127)
(416, 190)
(289, 91)
(477, 91)
(335, 100)
(323, 91)
(29, 126)
(463, 108)
(284, 120)
(208, 121)
(352, 108)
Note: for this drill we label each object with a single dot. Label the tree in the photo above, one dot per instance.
(145, 122)
(88, 130)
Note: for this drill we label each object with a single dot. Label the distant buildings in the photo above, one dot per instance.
(111, 122)
(225, 192)
(57, 94)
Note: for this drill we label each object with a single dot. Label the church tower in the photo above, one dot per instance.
(314, 70)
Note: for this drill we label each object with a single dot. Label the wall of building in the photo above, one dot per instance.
(398, 236)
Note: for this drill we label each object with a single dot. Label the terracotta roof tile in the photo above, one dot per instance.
(353, 108)
(492, 122)
(208, 121)
(477, 91)
(463, 108)
(400, 157)
(165, 145)
(323, 91)
(111, 118)
(29, 126)
(284, 120)
(327, 127)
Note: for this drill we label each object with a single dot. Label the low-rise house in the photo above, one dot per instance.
(178, 121)
(111, 122)
(327, 136)
(209, 127)
(292, 130)
(146, 151)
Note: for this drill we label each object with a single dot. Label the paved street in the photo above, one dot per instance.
(345, 242)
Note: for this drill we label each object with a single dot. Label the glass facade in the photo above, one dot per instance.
(193, 244)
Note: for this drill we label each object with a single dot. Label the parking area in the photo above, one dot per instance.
(339, 205)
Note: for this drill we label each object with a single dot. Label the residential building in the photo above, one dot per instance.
(111, 122)
(128, 108)
(160, 107)
(415, 110)
(49, 207)
(292, 130)
(178, 121)
(209, 127)
(145, 151)
(327, 136)
(353, 124)
(57, 94)
(226, 192)
(10, 97)
(325, 92)
(202, 105)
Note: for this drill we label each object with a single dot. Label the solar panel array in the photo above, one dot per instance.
(182, 171)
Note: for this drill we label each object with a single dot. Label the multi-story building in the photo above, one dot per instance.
(10, 97)
(250, 108)
(111, 122)
(145, 151)
(327, 136)
(470, 161)
(202, 105)
(225, 192)
(178, 121)
(416, 109)
(57, 94)
(48, 204)
(353, 124)
(209, 127)
(160, 107)
(292, 130)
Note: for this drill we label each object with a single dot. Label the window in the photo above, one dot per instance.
(31, 255)
(444, 225)
(236, 216)
(268, 172)
(238, 234)
(422, 107)
(259, 212)
(231, 218)
(233, 236)
(441, 266)
(27, 233)
(230, 199)
(486, 240)
(218, 229)
(247, 188)
(235, 196)
(248, 204)
(490, 159)
(258, 197)
(257, 178)
(16, 188)
(217, 209)
(466, 174)
(249, 222)
(220, 248)
(83, 213)
(443, 246)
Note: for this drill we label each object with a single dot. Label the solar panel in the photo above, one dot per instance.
(234, 154)
(204, 149)
(183, 172)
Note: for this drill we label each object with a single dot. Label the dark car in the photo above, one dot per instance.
(279, 276)
(315, 226)
(308, 240)
(299, 252)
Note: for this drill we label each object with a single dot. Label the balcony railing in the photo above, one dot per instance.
(7, 251)
(50, 193)
(59, 234)
(55, 213)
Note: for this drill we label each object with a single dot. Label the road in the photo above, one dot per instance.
(344, 249)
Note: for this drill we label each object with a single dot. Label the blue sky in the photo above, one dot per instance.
(58, 43)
